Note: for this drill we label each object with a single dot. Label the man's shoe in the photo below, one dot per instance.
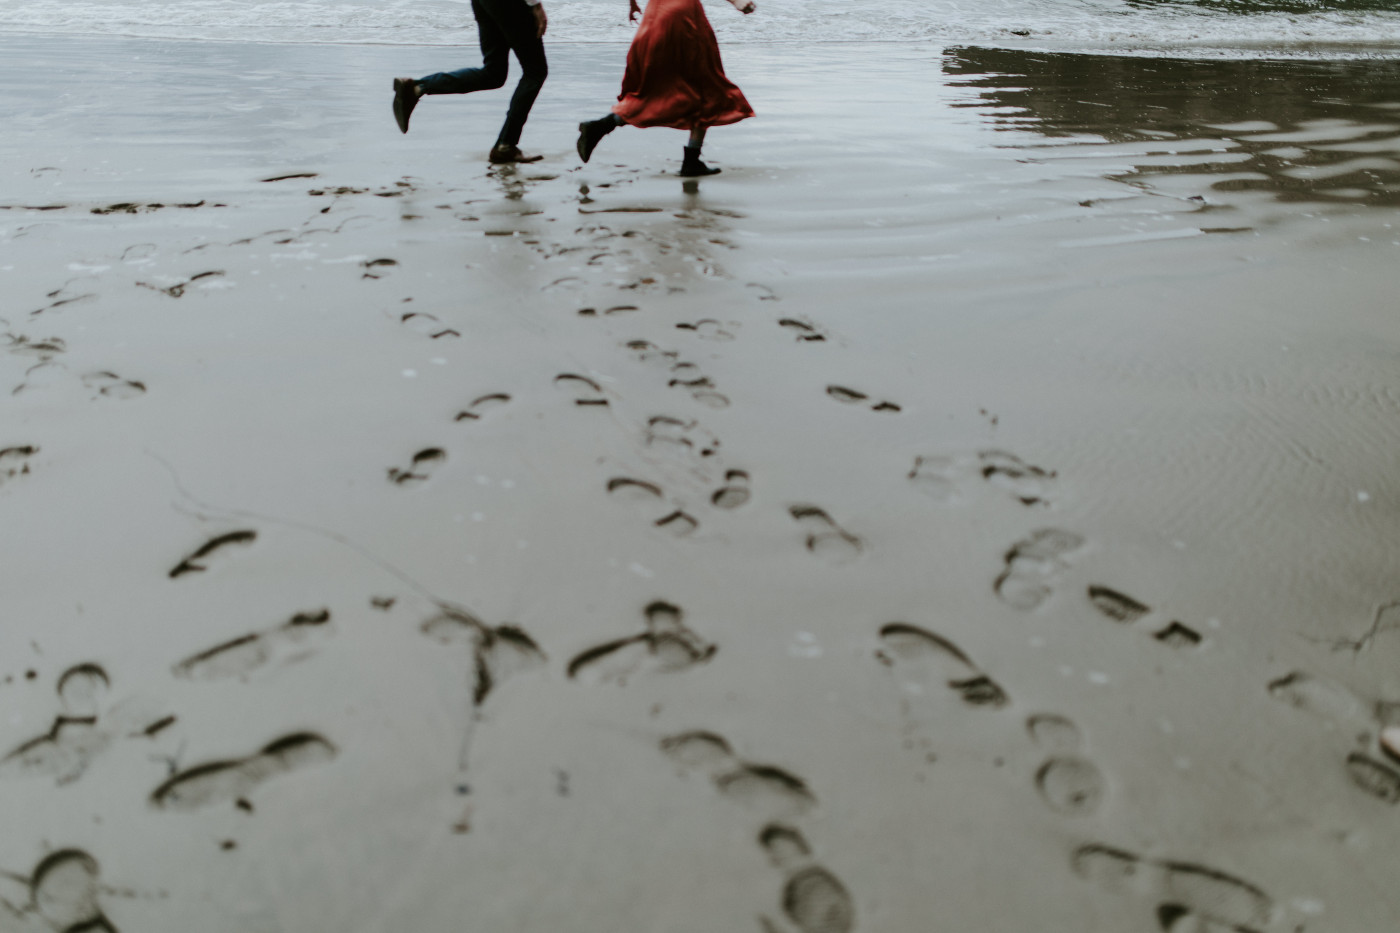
(505, 155)
(591, 132)
(692, 167)
(405, 99)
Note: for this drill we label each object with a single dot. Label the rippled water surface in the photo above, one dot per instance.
(1297, 132)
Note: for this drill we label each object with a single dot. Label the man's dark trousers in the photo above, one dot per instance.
(505, 26)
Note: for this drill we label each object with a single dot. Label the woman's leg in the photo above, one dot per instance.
(691, 166)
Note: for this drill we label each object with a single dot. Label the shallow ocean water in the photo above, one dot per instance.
(1236, 28)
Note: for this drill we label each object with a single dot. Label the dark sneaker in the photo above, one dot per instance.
(405, 99)
(504, 155)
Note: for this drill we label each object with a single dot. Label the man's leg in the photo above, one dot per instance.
(516, 22)
(495, 62)
(534, 70)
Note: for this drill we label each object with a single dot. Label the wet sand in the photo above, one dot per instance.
(975, 508)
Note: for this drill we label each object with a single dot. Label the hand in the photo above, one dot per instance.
(633, 11)
(748, 8)
(541, 20)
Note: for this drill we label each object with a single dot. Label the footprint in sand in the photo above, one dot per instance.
(734, 492)
(41, 377)
(1125, 609)
(178, 289)
(767, 789)
(60, 895)
(293, 640)
(1322, 698)
(497, 653)
(685, 372)
(1028, 484)
(648, 497)
(923, 662)
(848, 396)
(687, 437)
(802, 330)
(481, 406)
(234, 779)
(1069, 783)
(615, 309)
(944, 477)
(666, 646)
(1033, 565)
(196, 561)
(650, 285)
(824, 537)
(377, 268)
(428, 325)
(42, 350)
(708, 329)
(938, 478)
(420, 468)
(1178, 635)
(68, 294)
(140, 254)
(813, 899)
(110, 385)
(647, 352)
(80, 732)
(684, 375)
(74, 739)
(702, 390)
(584, 390)
(1117, 606)
(1374, 777)
(567, 283)
(1373, 768)
(1188, 896)
(14, 462)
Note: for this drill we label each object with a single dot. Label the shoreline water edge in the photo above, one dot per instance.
(1231, 28)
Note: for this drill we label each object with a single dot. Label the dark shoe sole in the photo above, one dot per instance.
(512, 158)
(404, 102)
(699, 172)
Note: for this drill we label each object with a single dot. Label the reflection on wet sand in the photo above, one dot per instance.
(1299, 131)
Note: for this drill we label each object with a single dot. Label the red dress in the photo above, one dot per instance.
(674, 75)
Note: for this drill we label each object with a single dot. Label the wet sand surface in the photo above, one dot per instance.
(975, 508)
